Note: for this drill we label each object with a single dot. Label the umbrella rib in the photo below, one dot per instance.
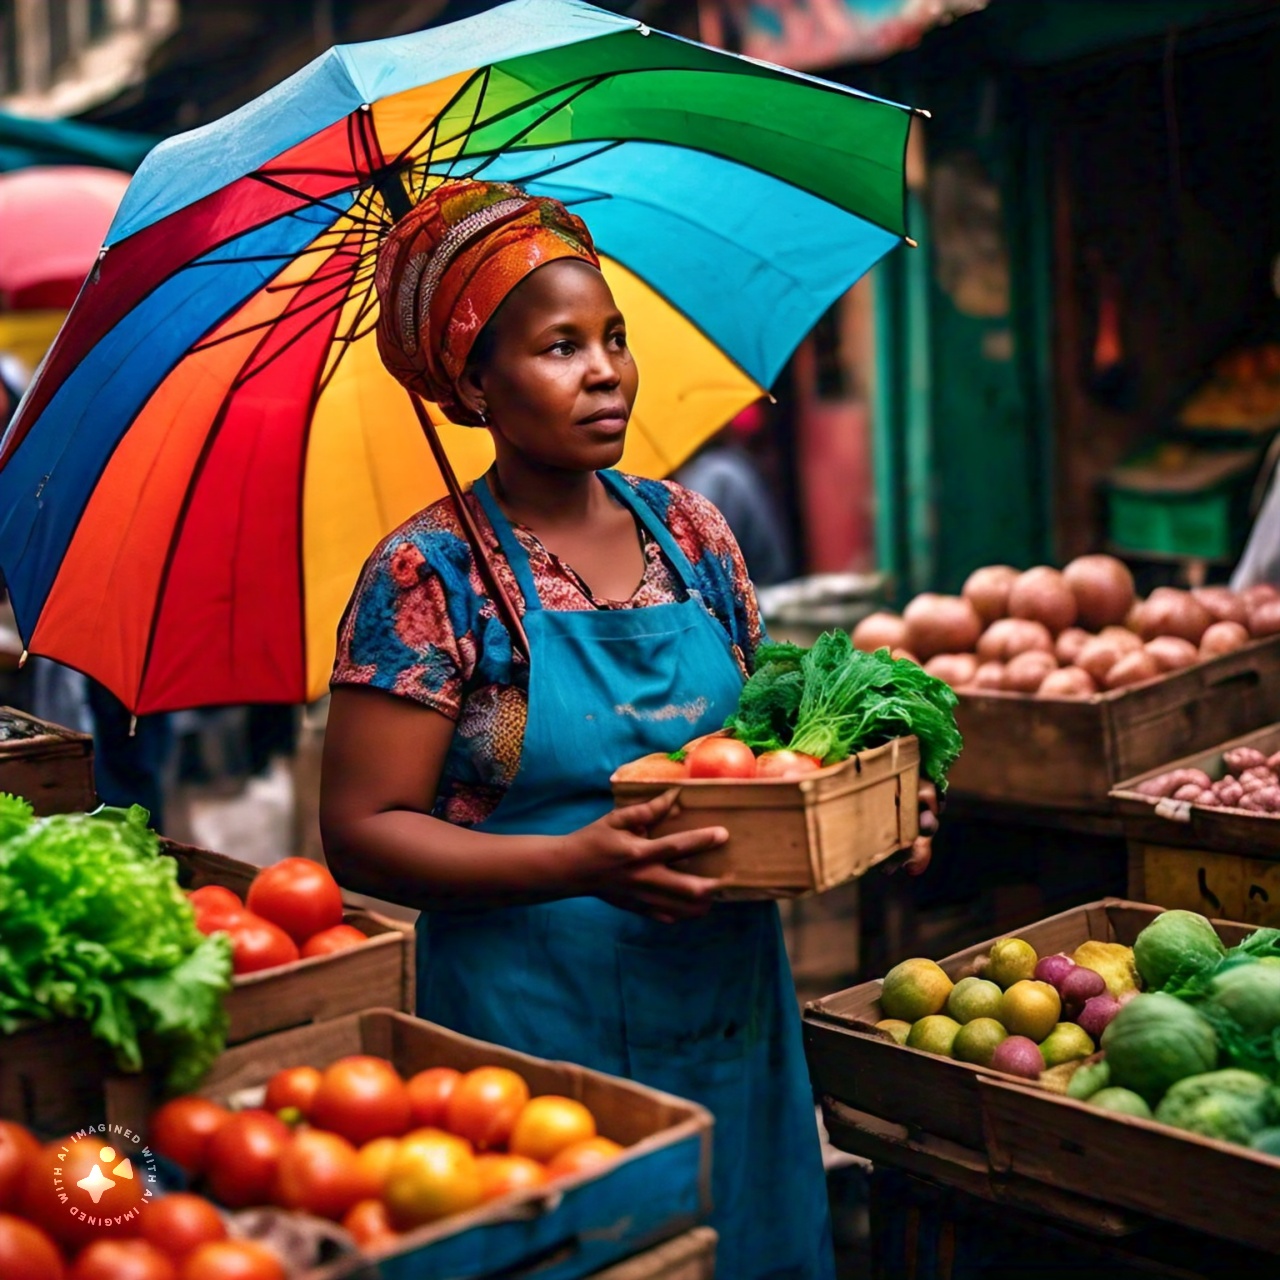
(247, 372)
(475, 116)
(568, 164)
(209, 343)
(307, 201)
(434, 123)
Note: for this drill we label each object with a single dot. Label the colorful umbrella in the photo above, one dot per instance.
(212, 446)
(53, 222)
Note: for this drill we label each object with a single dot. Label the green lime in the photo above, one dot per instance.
(976, 1041)
(935, 1033)
(973, 998)
(914, 989)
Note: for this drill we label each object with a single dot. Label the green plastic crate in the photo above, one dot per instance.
(1203, 526)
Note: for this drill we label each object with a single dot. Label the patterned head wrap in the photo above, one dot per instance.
(446, 266)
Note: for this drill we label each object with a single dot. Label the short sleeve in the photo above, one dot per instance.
(401, 632)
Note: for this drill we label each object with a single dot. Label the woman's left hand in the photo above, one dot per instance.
(917, 861)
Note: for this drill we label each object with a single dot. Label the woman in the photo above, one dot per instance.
(465, 780)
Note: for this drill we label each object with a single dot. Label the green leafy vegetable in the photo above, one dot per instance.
(94, 926)
(832, 700)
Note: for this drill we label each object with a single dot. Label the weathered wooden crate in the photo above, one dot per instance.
(377, 974)
(804, 835)
(659, 1188)
(853, 1063)
(1069, 752)
(1223, 862)
(48, 765)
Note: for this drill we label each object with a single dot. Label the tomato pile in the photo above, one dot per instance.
(177, 1237)
(359, 1144)
(717, 756)
(293, 910)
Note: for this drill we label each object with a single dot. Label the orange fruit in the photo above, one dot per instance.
(433, 1175)
(372, 1161)
(548, 1124)
(583, 1157)
(501, 1175)
(485, 1105)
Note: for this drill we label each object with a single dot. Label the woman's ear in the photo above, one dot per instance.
(471, 389)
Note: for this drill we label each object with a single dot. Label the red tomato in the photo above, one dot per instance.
(721, 758)
(123, 1260)
(232, 1260)
(501, 1175)
(80, 1189)
(258, 944)
(342, 937)
(786, 764)
(484, 1106)
(17, 1147)
(178, 1222)
(373, 1160)
(362, 1098)
(243, 1157)
(370, 1224)
(583, 1157)
(180, 1130)
(26, 1253)
(429, 1094)
(298, 895)
(319, 1172)
(292, 1087)
(215, 907)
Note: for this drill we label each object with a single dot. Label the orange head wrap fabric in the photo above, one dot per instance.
(446, 266)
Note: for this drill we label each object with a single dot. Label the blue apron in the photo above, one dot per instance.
(703, 1009)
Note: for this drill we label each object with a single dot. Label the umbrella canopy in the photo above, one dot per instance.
(53, 222)
(212, 446)
(25, 141)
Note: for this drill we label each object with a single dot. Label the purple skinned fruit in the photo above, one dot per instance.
(1080, 986)
(1096, 1015)
(1053, 969)
(1018, 1056)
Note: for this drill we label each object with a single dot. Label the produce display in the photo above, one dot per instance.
(1068, 634)
(1250, 783)
(1242, 390)
(293, 911)
(358, 1144)
(805, 709)
(1177, 1028)
(95, 928)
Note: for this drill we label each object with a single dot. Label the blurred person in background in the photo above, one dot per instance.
(727, 475)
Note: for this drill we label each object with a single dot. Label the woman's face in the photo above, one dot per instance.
(558, 382)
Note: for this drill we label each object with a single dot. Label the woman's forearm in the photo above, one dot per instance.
(426, 863)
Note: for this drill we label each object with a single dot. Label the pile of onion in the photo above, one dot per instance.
(1070, 633)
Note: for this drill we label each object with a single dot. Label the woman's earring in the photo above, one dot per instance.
(484, 422)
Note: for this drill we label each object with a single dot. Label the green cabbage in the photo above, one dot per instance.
(1231, 1105)
(1176, 943)
(1155, 1041)
(1242, 1000)
(94, 926)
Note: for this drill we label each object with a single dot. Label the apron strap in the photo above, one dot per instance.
(657, 530)
(517, 556)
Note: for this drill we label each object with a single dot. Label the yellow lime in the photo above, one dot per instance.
(1011, 960)
(973, 998)
(934, 1034)
(914, 989)
(977, 1041)
(1065, 1043)
(1030, 1009)
(896, 1027)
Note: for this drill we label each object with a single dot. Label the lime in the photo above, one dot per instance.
(895, 1027)
(973, 998)
(934, 1034)
(914, 989)
(1123, 1100)
(1011, 960)
(976, 1041)
(1030, 1009)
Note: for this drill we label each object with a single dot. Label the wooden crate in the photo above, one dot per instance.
(854, 1064)
(1223, 862)
(48, 765)
(691, 1256)
(788, 837)
(378, 974)
(1069, 752)
(658, 1189)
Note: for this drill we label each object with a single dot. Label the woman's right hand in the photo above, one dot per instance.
(616, 859)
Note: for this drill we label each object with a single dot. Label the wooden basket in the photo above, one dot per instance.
(802, 835)
(659, 1188)
(1223, 862)
(45, 764)
(1068, 753)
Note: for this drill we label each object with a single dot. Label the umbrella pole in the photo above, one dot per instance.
(493, 584)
